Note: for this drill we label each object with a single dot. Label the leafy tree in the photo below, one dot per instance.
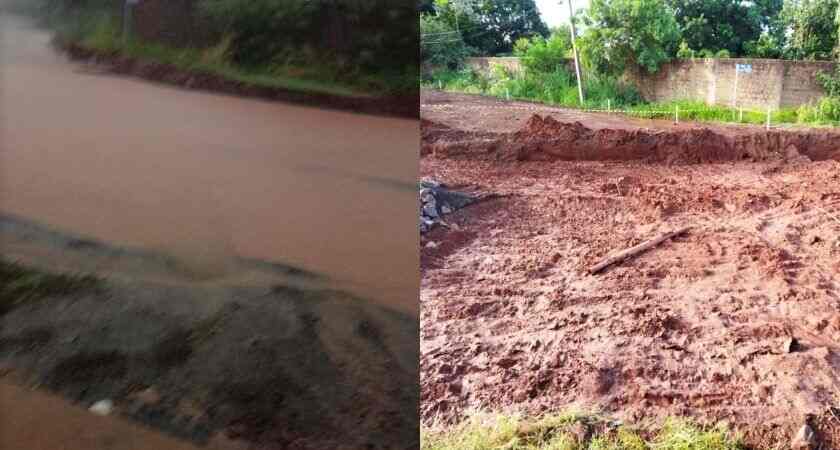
(622, 33)
(541, 55)
(766, 46)
(813, 28)
(440, 44)
(726, 24)
(370, 34)
(492, 26)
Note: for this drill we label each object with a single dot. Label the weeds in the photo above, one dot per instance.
(20, 285)
(558, 432)
(557, 87)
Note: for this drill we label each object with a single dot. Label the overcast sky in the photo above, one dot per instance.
(555, 12)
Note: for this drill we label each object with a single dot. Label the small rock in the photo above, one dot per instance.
(804, 439)
(431, 244)
(102, 407)
(790, 345)
(429, 210)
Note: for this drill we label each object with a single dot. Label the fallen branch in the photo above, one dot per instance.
(633, 251)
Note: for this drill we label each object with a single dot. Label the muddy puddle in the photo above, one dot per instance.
(207, 179)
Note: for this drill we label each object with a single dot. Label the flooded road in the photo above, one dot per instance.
(206, 176)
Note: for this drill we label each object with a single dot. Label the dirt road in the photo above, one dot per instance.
(207, 177)
(699, 327)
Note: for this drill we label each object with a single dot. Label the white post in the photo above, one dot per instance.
(677, 114)
(440, 85)
(507, 93)
(735, 94)
(740, 114)
(575, 52)
(768, 118)
(609, 107)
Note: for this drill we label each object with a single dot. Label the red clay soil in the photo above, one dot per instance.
(698, 327)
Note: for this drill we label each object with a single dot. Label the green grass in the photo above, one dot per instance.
(559, 89)
(557, 432)
(20, 284)
(555, 88)
(102, 34)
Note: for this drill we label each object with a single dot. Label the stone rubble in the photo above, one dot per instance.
(436, 201)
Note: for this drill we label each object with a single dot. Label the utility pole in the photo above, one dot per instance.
(575, 52)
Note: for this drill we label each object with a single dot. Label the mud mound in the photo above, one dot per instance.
(274, 363)
(545, 138)
(442, 140)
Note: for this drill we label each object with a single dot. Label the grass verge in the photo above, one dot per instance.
(20, 284)
(102, 34)
(574, 431)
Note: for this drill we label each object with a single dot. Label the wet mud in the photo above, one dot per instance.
(700, 326)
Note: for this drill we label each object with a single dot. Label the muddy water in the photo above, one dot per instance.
(206, 176)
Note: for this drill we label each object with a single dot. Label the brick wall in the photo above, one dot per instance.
(486, 64)
(771, 83)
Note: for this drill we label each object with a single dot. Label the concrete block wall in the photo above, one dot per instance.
(486, 64)
(771, 83)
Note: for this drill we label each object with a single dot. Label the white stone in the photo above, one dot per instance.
(102, 407)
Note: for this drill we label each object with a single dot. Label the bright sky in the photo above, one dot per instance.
(556, 12)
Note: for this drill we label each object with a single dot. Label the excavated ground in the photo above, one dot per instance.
(698, 327)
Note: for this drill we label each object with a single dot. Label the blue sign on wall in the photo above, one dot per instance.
(743, 68)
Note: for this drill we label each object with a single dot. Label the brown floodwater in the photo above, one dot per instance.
(207, 177)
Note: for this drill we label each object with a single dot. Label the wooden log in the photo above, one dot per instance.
(633, 251)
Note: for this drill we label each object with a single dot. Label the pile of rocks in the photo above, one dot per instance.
(436, 200)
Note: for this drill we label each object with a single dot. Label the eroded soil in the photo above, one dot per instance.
(699, 326)
(272, 358)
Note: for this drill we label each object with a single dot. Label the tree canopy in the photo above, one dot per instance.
(813, 28)
(622, 33)
(716, 25)
(492, 27)
(646, 33)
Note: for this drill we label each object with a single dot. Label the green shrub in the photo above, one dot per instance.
(830, 82)
(261, 29)
(685, 52)
(540, 55)
(825, 111)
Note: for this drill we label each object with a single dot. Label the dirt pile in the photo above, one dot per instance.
(547, 138)
(544, 138)
(276, 358)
